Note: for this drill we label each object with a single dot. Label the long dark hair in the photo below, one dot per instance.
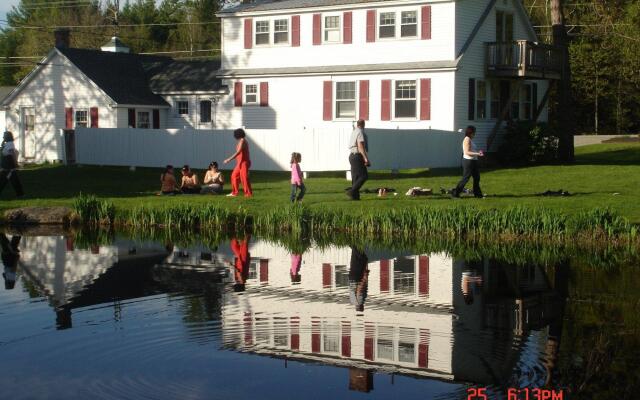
(213, 164)
(470, 131)
(166, 170)
(239, 133)
(7, 137)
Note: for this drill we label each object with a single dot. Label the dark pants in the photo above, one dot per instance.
(359, 175)
(294, 189)
(191, 190)
(11, 176)
(470, 168)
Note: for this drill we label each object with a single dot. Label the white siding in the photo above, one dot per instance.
(439, 47)
(191, 120)
(296, 103)
(472, 64)
(57, 85)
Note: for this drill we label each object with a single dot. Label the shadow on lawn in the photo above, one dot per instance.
(627, 156)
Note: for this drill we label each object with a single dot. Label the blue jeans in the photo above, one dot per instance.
(294, 189)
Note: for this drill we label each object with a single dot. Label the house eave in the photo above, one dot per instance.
(114, 105)
(193, 92)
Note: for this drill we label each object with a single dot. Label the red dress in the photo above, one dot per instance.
(240, 174)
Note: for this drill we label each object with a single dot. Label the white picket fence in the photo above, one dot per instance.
(322, 150)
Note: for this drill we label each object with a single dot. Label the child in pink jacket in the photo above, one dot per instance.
(296, 178)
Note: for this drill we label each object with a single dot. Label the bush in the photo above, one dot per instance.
(527, 143)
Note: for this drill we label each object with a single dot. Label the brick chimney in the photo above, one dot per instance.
(63, 38)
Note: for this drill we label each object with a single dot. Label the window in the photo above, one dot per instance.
(409, 24)
(143, 121)
(405, 99)
(495, 99)
(387, 27)
(262, 32)
(404, 276)
(205, 111)
(281, 31)
(182, 106)
(332, 29)
(346, 100)
(527, 96)
(481, 100)
(251, 96)
(82, 119)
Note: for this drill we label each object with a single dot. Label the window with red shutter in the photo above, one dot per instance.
(425, 99)
(385, 113)
(347, 22)
(248, 33)
(327, 96)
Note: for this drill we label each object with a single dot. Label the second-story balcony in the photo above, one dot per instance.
(523, 59)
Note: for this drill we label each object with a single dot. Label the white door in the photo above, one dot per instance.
(28, 132)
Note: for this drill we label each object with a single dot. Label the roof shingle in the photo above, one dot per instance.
(272, 5)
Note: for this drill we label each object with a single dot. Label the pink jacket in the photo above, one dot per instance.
(296, 174)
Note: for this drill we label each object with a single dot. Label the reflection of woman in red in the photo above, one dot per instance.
(240, 173)
(241, 262)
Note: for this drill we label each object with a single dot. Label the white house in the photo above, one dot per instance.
(108, 88)
(400, 64)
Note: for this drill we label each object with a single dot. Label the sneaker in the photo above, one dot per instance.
(232, 195)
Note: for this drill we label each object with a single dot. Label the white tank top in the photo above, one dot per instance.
(474, 149)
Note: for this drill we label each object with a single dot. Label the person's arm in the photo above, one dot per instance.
(183, 182)
(467, 148)
(220, 178)
(363, 151)
(237, 153)
(207, 178)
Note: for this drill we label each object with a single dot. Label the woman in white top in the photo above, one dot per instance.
(213, 180)
(470, 165)
(9, 164)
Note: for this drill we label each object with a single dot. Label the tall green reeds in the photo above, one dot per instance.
(94, 211)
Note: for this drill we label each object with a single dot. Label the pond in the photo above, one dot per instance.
(247, 318)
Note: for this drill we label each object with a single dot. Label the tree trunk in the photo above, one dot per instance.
(596, 113)
(565, 108)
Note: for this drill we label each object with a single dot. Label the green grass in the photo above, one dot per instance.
(602, 177)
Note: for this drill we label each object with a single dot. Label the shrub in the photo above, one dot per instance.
(527, 142)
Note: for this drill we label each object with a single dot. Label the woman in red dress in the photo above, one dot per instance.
(240, 173)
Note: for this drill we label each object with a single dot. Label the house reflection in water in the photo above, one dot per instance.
(424, 315)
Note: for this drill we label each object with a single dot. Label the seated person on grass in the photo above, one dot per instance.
(189, 181)
(213, 180)
(168, 182)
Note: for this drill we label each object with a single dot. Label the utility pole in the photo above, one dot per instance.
(565, 106)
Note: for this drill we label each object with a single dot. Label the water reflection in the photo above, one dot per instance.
(367, 310)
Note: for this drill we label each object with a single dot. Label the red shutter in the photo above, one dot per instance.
(364, 100)
(315, 336)
(264, 270)
(295, 333)
(68, 117)
(384, 276)
(426, 22)
(248, 33)
(425, 99)
(423, 276)
(132, 118)
(326, 275)
(327, 99)
(385, 113)
(423, 348)
(346, 339)
(295, 31)
(237, 94)
(264, 94)
(317, 29)
(371, 25)
(369, 335)
(93, 112)
(347, 22)
(156, 119)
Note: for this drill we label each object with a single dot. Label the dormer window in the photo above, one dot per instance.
(281, 31)
(387, 27)
(332, 29)
(262, 33)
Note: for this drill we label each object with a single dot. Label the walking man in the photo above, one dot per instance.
(359, 160)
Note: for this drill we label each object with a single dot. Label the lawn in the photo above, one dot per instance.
(604, 175)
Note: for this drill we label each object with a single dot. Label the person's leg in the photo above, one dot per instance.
(235, 180)
(475, 172)
(3, 179)
(466, 175)
(360, 178)
(17, 185)
(244, 178)
(303, 190)
(293, 192)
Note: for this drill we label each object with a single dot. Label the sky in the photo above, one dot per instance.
(5, 6)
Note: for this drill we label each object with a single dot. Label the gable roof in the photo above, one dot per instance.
(271, 5)
(120, 75)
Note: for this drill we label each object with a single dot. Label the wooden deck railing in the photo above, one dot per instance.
(523, 59)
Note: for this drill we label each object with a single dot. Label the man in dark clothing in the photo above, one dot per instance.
(10, 256)
(359, 160)
(358, 278)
